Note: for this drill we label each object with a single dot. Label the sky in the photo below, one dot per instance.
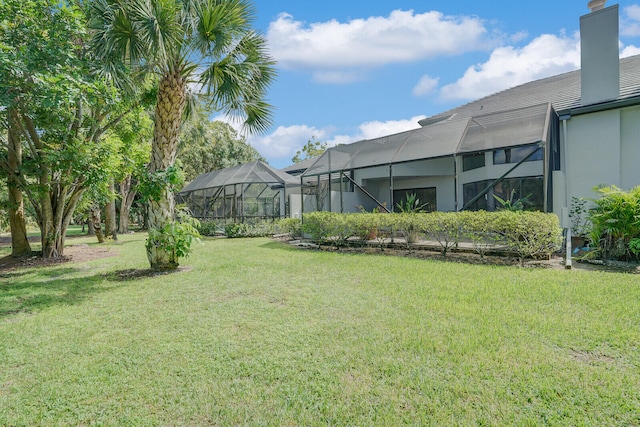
(351, 70)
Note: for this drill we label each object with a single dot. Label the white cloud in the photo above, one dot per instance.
(426, 85)
(329, 48)
(630, 22)
(629, 51)
(375, 129)
(281, 145)
(545, 56)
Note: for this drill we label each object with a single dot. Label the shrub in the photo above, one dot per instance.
(291, 226)
(479, 229)
(411, 226)
(444, 228)
(361, 225)
(260, 229)
(529, 234)
(616, 222)
(210, 228)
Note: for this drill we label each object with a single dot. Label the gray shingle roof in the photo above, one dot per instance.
(562, 91)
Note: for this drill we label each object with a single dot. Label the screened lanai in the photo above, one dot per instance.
(244, 193)
(447, 163)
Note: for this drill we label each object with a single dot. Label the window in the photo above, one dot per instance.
(516, 154)
(472, 161)
(425, 197)
(529, 190)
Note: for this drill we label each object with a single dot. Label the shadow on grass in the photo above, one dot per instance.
(51, 289)
(281, 246)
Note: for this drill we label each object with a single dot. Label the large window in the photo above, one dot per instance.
(472, 161)
(528, 190)
(517, 154)
(425, 197)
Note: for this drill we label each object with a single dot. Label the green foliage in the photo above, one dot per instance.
(443, 227)
(616, 221)
(511, 204)
(176, 237)
(210, 228)
(634, 246)
(411, 204)
(153, 185)
(261, 229)
(579, 216)
(292, 226)
(527, 234)
(313, 148)
(206, 146)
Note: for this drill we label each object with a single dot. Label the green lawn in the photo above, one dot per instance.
(254, 332)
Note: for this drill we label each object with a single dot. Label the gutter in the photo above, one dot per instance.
(593, 108)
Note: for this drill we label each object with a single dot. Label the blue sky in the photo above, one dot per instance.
(352, 70)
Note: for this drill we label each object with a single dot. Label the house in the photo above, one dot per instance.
(542, 142)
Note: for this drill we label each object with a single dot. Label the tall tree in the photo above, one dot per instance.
(60, 110)
(206, 146)
(208, 42)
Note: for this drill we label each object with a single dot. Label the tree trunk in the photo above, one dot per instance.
(110, 227)
(97, 223)
(126, 201)
(91, 230)
(19, 242)
(168, 116)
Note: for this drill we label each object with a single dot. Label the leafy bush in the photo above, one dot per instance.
(528, 234)
(444, 228)
(176, 237)
(210, 228)
(411, 226)
(261, 229)
(479, 229)
(291, 226)
(616, 222)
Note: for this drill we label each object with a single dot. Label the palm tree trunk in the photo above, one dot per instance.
(169, 109)
(19, 243)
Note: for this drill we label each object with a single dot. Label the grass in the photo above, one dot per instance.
(254, 332)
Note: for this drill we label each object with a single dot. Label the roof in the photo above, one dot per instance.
(562, 91)
(253, 172)
(455, 135)
(300, 167)
(513, 117)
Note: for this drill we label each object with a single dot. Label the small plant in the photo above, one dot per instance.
(579, 216)
(512, 204)
(175, 238)
(634, 246)
(411, 204)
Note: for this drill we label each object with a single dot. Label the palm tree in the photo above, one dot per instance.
(208, 44)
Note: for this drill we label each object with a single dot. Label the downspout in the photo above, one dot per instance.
(569, 249)
(391, 201)
(456, 179)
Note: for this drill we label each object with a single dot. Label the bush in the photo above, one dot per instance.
(210, 228)
(291, 226)
(528, 234)
(444, 228)
(260, 229)
(616, 222)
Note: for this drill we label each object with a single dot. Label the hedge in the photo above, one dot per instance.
(527, 234)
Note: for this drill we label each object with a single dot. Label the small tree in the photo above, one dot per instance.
(313, 148)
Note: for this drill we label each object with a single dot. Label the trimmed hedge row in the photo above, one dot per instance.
(528, 234)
